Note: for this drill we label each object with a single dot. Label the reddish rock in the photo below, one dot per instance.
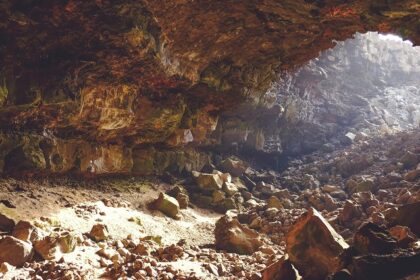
(314, 246)
(232, 236)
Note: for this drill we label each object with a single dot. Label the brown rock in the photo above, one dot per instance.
(99, 232)
(167, 205)
(403, 235)
(14, 251)
(208, 182)
(25, 231)
(48, 248)
(407, 215)
(350, 211)
(274, 202)
(371, 238)
(281, 270)
(314, 246)
(6, 223)
(236, 167)
(232, 236)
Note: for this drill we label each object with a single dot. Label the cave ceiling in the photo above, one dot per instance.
(138, 71)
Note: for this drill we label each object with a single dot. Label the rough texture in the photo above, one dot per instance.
(99, 77)
(314, 246)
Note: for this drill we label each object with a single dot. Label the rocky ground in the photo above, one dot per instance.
(350, 212)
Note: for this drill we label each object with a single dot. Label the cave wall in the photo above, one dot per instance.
(83, 83)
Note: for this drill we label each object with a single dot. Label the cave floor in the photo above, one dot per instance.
(378, 172)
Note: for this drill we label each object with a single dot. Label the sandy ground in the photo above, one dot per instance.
(121, 204)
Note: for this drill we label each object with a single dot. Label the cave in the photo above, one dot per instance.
(204, 139)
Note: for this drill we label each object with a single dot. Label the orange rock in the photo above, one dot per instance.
(314, 246)
(281, 270)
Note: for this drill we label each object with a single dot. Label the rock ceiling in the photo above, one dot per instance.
(138, 72)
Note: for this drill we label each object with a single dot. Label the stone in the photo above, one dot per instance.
(371, 238)
(218, 196)
(265, 189)
(99, 232)
(283, 269)
(330, 188)
(410, 159)
(403, 235)
(208, 182)
(407, 215)
(274, 202)
(236, 167)
(6, 223)
(314, 246)
(412, 175)
(385, 267)
(167, 205)
(48, 248)
(349, 137)
(25, 231)
(351, 210)
(230, 188)
(14, 251)
(366, 184)
(181, 195)
(6, 267)
(232, 236)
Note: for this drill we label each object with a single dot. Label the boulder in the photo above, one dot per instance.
(14, 251)
(25, 231)
(232, 236)
(407, 215)
(167, 205)
(99, 232)
(314, 246)
(371, 238)
(6, 223)
(48, 248)
(281, 270)
(386, 267)
(208, 182)
(236, 167)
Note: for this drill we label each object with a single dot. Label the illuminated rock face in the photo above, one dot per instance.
(111, 75)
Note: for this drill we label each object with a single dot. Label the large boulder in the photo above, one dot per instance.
(314, 246)
(14, 251)
(235, 237)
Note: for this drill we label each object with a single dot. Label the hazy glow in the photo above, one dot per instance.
(392, 37)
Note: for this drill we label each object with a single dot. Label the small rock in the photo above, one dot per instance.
(167, 205)
(27, 232)
(230, 188)
(403, 235)
(99, 232)
(274, 202)
(409, 159)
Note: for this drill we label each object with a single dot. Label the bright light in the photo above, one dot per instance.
(392, 37)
